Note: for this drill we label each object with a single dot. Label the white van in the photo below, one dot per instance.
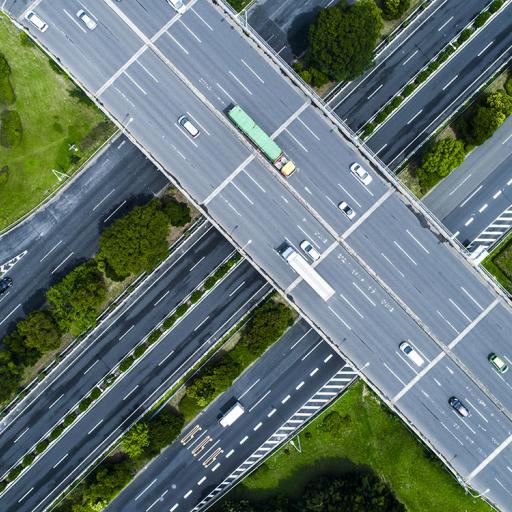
(189, 127)
(178, 5)
(407, 349)
(36, 21)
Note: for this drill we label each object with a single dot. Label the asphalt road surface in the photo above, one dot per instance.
(135, 391)
(65, 231)
(442, 20)
(474, 201)
(271, 391)
(394, 276)
(110, 342)
(406, 130)
(284, 25)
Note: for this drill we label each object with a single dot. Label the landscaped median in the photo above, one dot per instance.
(355, 456)
(499, 263)
(49, 127)
(158, 429)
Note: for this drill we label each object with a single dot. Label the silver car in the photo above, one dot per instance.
(86, 19)
(361, 173)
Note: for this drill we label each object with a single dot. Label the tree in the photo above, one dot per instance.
(40, 331)
(136, 242)
(178, 213)
(164, 428)
(76, 299)
(393, 9)
(484, 123)
(107, 483)
(500, 101)
(343, 38)
(21, 354)
(135, 440)
(10, 376)
(443, 157)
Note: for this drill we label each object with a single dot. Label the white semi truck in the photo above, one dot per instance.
(308, 273)
(232, 415)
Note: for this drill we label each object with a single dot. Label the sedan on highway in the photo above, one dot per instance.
(309, 250)
(459, 407)
(498, 363)
(361, 173)
(86, 19)
(5, 284)
(407, 349)
(345, 208)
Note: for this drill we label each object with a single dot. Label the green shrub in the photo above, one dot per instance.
(57, 431)
(28, 459)
(95, 393)
(481, 19)
(432, 67)
(178, 213)
(4, 175)
(394, 9)
(3, 485)
(168, 322)
(154, 336)
(444, 156)
(85, 404)
(495, 6)
(139, 351)
(56, 67)
(464, 36)
(195, 296)
(396, 101)
(26, 40)
(41, 446)
(70, 418)
(408, 90)
(181, 309)
(126, 363)
(381, 117)
(14, 473)
(422, 76)
(209, 283)
(11, 129)
(369, 129)
(508, 86)
(164, 428)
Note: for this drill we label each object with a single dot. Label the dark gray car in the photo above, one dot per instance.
(5, 284)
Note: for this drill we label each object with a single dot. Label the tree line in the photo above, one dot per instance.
(134, 243)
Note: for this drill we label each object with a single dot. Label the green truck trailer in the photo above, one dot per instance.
(261, 140)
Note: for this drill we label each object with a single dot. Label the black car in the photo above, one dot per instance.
(5, 284)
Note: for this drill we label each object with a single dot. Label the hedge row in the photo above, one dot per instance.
(423, 75)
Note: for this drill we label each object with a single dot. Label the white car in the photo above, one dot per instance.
(188, 126)
(36, 21)
(345, 208)
(86, 19)
(310, 250)
(178, 5)
(407, 349)
(360, 173)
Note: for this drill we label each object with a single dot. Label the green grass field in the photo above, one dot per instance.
(51, 119)
(372, 437)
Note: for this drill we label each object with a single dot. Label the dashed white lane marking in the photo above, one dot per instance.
(375, 91)
(145, 489)
(244, 439)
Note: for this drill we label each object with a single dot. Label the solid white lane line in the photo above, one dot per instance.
(55, 401)
(461, 205)
(447, 321)
(484, 49)
(190, 31)
(409, 58)
(349, 195)
(243, 193)
(104, 199)
(145, 489)
(121, 205)
(199, 326)
(22, 434)
(308, 128)
(450, 82)
(62, 262)
(444, 24)
(471, 297)
(19, 305)
(249, 388)
(50, 251)
(25, 495)
(417, 241)
(252, 71)
(460, 184)
(60, 460)
(297, 141)
(340, 319)
(375, 91)
(476, 410)
(130, 392)
(392, 264)
(95, 427)
(165, 358)
(161, 298)
(226, 92)
(394, 374)
(308, 353)
(351, 306)
(240, 82)
(147, 71)
(459, 310)
(404, 251)
(126, 332)
(260, 400)
(254, 181)
(158, 500)
(196, 264)
(505, 141)
(201, 18)
(414, 116)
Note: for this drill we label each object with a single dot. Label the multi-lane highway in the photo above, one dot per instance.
(394, 275)
(66, 230)
(406, 130)
(110, 342)
(271, 391)
(414, 48)
(137, 389)
(475, 200)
